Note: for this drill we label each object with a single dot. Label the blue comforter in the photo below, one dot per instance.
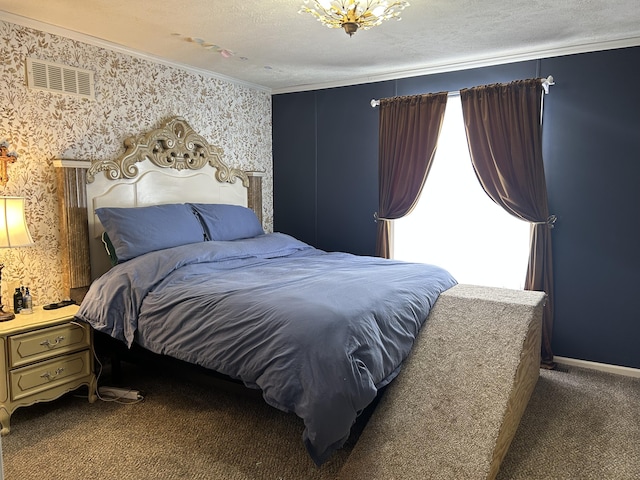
(319, 333)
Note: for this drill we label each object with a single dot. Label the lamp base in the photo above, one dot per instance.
(4, 316)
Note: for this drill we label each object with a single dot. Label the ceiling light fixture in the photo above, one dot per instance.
(353, 14)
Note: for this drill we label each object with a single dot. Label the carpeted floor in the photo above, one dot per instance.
(579, 424)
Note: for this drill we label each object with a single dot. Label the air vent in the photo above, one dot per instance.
(54, 77)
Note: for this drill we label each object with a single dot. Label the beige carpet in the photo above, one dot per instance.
(579, 425)
(186, 428)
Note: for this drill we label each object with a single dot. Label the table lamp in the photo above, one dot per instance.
(13, 233)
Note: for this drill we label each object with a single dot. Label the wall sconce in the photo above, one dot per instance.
(6, 157)
(13, 233)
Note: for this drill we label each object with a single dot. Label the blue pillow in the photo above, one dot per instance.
(139, 230)
(228, 222)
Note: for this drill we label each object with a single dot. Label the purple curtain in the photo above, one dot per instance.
(504, 133)
(409, 129)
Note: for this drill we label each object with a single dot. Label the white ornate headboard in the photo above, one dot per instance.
(170, 164)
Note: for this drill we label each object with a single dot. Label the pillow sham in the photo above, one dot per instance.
(139, 230)
(228, 222)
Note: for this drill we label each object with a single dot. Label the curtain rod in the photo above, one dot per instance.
(546, 83)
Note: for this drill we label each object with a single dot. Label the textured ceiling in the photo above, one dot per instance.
(266, 43)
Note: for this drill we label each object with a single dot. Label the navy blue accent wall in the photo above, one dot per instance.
(592, 164)
(325, 145)
(294, 140)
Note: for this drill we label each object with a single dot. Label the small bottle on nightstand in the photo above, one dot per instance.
(17, 301)
(27, 302)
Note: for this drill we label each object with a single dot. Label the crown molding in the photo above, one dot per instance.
(81, 37)
(500, 59)
(463, 64)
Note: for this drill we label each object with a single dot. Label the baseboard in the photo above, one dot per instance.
(603, 367)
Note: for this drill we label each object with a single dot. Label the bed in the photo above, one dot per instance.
(181, 266)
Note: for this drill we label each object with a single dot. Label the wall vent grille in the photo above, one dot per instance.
(54, 77)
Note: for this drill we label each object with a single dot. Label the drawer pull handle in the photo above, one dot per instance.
(48, 376)
(56, 342)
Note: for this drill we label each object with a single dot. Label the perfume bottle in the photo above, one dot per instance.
(17, 301)
(27, 302)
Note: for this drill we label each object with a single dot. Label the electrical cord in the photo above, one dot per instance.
(121, 399)
(116, 398)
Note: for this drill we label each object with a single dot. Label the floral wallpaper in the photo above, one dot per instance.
(133, 95)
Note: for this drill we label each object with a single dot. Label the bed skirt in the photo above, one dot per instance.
(455, 407)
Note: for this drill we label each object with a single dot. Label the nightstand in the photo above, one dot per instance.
(43, 355)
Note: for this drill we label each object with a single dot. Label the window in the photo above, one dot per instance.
(456, 225)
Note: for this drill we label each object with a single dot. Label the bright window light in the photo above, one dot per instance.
(456, 225)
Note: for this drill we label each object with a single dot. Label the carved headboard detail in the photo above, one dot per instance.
(172, 163)
(174, 145)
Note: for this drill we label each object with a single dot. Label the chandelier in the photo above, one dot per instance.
(353, 14)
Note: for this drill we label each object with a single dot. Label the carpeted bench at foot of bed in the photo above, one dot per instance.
(454, 408)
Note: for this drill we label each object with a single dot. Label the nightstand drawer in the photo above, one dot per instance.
(47, 375)
(46, 342)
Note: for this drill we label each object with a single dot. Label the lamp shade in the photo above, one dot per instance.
(13, 224)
